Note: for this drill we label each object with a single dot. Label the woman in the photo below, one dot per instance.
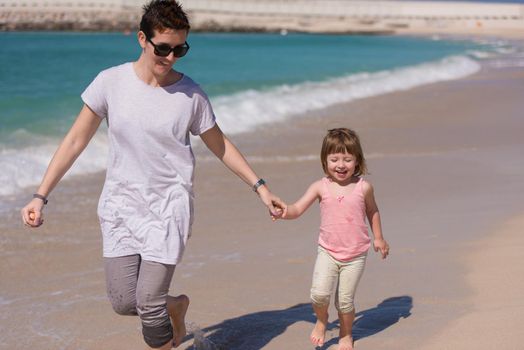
(146, 206)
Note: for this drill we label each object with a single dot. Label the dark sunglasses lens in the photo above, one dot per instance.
(180, 51)
(162, 50)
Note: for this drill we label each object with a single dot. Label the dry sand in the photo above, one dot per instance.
(495, 275)
(446, 161)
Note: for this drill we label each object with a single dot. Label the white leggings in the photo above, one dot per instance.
(346, 275)
(140, 287)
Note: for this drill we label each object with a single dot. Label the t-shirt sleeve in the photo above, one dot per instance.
(204, 118)
(95, 97)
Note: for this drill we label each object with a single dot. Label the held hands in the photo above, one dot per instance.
(32, 215)
(277, 208)
(280, 212)
(382, 246)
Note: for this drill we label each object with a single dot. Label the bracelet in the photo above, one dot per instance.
(259, 183)
(39, 196)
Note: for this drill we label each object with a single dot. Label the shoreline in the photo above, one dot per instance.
(125, 28)
(396, 78)
(428, 151)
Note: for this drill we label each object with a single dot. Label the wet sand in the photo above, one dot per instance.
(446, 162)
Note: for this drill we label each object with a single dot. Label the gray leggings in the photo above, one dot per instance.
(140, 287)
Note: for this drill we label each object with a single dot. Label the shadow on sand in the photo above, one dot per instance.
(375, 320)
(254, 331)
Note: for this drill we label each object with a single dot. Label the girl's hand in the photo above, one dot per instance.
(278, 215)
(382, 246)
(32, 215)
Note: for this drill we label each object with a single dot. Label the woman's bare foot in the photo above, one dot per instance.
(318, 334)
(345, 343)
(177, 308)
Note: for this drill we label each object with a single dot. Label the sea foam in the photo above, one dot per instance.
(245, 110)
(240, 112)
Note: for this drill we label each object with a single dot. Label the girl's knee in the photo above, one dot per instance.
(320, 299)
(345, 307)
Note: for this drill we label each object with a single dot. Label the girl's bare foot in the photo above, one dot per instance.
(177, 308)
(318, 334)
(345, 343)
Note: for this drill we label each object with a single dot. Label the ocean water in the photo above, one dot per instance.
(252, 79)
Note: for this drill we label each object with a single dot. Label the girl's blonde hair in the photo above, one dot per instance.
(342, 140)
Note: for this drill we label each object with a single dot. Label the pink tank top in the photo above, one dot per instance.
(343, 229)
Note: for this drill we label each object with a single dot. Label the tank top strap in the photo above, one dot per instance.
(325, 189)
(360, 185)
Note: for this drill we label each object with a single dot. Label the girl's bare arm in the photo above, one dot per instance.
(299, 207)
(373, 215)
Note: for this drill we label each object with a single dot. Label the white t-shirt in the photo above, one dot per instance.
(146, 205)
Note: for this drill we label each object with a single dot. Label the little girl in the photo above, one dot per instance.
(346, 199)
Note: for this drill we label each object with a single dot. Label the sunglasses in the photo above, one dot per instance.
(163, 50)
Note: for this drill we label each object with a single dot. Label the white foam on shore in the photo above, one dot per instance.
(481, 54)
(506, 63)
(245, 110)
(240, 112)
(23, 167)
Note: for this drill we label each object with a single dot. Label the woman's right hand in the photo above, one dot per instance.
(32, 214)
(72, 145)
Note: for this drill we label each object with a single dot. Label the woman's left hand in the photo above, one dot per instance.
(277, 207)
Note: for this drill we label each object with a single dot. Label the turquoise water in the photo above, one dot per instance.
(252, 79)
(43, 74)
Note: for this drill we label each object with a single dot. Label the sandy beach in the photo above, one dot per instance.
(309, 16)
(446, 162)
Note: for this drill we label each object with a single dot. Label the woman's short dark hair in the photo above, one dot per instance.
(161, 15)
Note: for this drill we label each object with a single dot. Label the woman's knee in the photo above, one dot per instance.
(122, 305)
(121, 277)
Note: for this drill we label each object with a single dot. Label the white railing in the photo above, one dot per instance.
(67, 5)
(296, 8)
(379, 9)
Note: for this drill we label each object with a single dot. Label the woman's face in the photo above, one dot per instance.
(161, 66)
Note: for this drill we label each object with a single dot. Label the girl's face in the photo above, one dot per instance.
(341, 166)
